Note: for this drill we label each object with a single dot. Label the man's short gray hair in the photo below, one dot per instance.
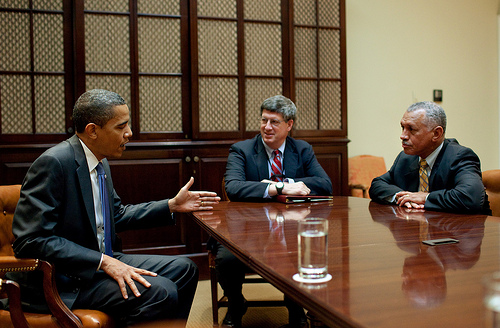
(282, 105)
(434, 114)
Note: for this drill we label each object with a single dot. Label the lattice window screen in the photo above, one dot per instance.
(108, 5)
(218, 104)
(32, 65)
(160, 97)
(107, 44)
(49, 95)
(159, 45)
(16, 104)
(331, 106)
(263, 10)
(49, 54)
(170, 7)
(263, 49)
(328, 12)
(48, 4)
(218, 66)
(160, 103)
(318, 64)
(22, 111)
(217, 47)
(307, 105)
(305, 52)
(15, 41)
(219, 8)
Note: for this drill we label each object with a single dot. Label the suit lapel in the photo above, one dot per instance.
(84, 179)
(260, 158)
(412, 175)
(435, 167)
(290, 159)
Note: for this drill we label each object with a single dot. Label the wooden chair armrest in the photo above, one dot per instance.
(358, 186)
(14, 294)
(59, 310)
(13, 264)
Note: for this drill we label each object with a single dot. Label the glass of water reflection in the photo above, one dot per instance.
(313, 248)
(492, 299)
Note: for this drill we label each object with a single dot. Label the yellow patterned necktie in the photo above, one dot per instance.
(424, 176)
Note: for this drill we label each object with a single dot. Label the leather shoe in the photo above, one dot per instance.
(296, 325)
(230, 322)
(234, 315)
(300, 324)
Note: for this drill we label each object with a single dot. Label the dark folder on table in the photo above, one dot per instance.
(287, 199)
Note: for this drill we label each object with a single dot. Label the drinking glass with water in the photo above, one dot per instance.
(313, 248)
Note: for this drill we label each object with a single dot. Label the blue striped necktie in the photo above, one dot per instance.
(103, 193)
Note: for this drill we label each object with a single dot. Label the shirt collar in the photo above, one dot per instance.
(89, 155)
(269, 151)
(431, 159)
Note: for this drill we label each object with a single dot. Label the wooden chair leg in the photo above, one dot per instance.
(213, 289)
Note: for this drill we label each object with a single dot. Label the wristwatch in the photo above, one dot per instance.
(279, 187)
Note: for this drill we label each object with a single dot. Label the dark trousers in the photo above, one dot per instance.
(231, 274)
(170, 295)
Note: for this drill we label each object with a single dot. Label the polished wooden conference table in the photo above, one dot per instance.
(382, 274)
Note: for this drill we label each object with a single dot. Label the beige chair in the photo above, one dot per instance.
(362, 170)
(491, 181)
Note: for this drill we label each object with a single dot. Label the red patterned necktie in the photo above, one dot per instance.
(276, 166)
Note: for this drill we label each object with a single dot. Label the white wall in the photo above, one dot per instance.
(398, 51)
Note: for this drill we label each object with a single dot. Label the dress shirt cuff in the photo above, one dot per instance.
(289, 180)
(266, 192)
(392, 199)
(100, 262)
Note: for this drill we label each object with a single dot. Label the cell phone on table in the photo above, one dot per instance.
(442, 241)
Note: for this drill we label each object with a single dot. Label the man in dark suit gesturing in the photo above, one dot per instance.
(432, 172)
(60, 218)
(270, 164)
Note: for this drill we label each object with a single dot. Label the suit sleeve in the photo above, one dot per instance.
(384, 187)
(315, 177)
(464, 190)
(239, 186)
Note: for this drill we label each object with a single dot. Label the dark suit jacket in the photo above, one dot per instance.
(247, 165)
(55, 220)
(455, 181)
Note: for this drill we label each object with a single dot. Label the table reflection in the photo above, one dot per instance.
(423, 276)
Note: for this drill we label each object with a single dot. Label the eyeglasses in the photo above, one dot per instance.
(274, 122)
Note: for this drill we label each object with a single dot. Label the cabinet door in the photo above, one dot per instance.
(144, 180)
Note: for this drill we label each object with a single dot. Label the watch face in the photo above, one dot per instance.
(280, 185)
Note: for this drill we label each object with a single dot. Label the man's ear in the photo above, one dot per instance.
(438, 133)
(289, 125)
(90, 130)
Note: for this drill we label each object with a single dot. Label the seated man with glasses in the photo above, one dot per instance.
(270, 164)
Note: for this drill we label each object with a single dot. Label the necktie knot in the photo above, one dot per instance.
(423, 163)
(99, 169)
